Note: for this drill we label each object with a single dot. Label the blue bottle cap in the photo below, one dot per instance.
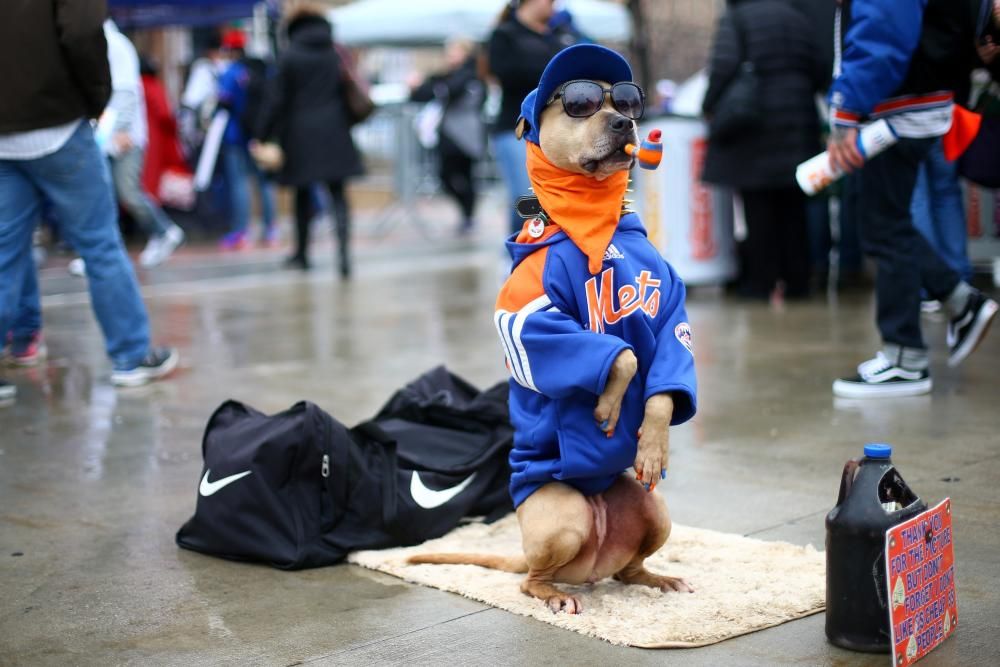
(878, 451)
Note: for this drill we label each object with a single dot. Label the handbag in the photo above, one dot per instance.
(738, 109)
(981, 161)
(359, 105)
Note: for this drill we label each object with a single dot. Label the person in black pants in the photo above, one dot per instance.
(306, 111)
(777, 38)
(461, 138)
(908, 74)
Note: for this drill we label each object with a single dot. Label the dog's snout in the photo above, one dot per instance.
(620, 124)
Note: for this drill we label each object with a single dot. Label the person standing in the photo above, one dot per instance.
(519, 48)
(906, 71)
(55, 73)
(127, 149)
(306, 110)
(239, 87)
(163, 150)
(460, 133)
(775, 36)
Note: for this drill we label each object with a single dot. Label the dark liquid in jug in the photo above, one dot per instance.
(873, 498)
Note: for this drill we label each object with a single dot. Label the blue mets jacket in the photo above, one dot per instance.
(561, 329)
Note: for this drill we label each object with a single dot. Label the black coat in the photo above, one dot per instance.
(305, 109)
(779, 42)
(53, 63)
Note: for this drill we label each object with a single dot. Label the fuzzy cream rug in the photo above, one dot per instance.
(741, 585)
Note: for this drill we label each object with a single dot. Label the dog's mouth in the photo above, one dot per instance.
(612, 160)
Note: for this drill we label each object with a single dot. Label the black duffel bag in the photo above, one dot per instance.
(299, 489)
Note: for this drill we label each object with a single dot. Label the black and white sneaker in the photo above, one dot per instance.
(966, 331)
(158, 362)
(880, 378)
(7, 390)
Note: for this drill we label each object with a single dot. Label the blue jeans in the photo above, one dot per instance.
(27, 319)
(938, 212)
(238, 167)
(76, 181)
(511, 154)
(126, 173)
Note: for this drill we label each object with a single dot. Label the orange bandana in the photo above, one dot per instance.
(585, 208)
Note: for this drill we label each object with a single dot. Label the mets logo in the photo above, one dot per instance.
(643, 296)
(683, 333)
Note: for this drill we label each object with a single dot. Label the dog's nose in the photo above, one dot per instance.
(620, 124)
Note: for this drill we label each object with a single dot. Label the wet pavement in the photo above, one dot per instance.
(94, 481)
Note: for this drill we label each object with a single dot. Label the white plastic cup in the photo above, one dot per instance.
(816, 173)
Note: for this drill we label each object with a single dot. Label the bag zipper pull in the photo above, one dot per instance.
(325, 469)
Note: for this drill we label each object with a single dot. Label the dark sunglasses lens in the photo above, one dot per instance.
(582, 99)
(627, 99)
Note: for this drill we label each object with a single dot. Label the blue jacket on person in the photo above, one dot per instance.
(905, 59)
(561, 329)
(233, 97)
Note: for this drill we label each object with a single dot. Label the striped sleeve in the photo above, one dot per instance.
(547, 350)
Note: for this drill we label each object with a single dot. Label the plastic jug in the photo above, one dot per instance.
(873, 498)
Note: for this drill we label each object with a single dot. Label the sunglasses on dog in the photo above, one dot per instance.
(582, 99)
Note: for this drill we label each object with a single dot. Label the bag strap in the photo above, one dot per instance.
(466, 469)
(374, 432)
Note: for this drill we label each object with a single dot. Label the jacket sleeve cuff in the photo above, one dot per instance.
(844, 117)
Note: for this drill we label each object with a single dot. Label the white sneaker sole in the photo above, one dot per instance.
(886, 390)
(979, 328)
(139, 377)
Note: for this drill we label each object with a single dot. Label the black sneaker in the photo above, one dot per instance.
(158, 362)
(7, 390)
(966, 331)
(879, 377)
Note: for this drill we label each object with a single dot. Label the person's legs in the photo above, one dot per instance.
(77, 182)
(265, 190)
(20, 204)
(304, 197)
(820, 238)
(342, 227)
(762, 243)
(237, 171)
(511, 155)
(456, 178)
(793, 240)
(950, 237)
(849, 257)
(126, 171)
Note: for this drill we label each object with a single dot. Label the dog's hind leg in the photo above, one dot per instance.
(556, 521)
(656, 536)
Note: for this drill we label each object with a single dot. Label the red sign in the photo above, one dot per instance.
(920, 564)
(702, 234)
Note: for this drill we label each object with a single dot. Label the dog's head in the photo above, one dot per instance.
(591, 145)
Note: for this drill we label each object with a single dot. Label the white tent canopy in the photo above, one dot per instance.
(414, 22)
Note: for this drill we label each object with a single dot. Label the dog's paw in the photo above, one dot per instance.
(668, 584)
(567, 603)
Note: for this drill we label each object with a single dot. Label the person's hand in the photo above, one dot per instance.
(843, 149)
(988, 51)
(414, 80)
(122, 142)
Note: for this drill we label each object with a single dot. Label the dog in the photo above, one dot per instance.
(595, 336)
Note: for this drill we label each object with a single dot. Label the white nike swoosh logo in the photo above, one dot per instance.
(208, 488)
(428, 498)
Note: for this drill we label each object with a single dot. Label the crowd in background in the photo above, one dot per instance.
(246, 124)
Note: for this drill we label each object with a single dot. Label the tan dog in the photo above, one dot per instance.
(567, 537)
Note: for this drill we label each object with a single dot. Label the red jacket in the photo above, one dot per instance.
(163, 153)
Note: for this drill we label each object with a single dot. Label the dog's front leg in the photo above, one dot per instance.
(609, 403)
(653, 455)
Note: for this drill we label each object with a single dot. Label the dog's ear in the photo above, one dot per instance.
(521, 128)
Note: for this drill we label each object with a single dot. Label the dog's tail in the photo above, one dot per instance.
(515, 564)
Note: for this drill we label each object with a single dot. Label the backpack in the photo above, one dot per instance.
(299, 489)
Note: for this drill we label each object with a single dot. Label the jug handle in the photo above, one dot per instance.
(847, 480)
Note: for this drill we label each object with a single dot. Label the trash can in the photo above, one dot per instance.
(690, 222)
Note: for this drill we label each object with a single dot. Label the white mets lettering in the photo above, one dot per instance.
(643, 296)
